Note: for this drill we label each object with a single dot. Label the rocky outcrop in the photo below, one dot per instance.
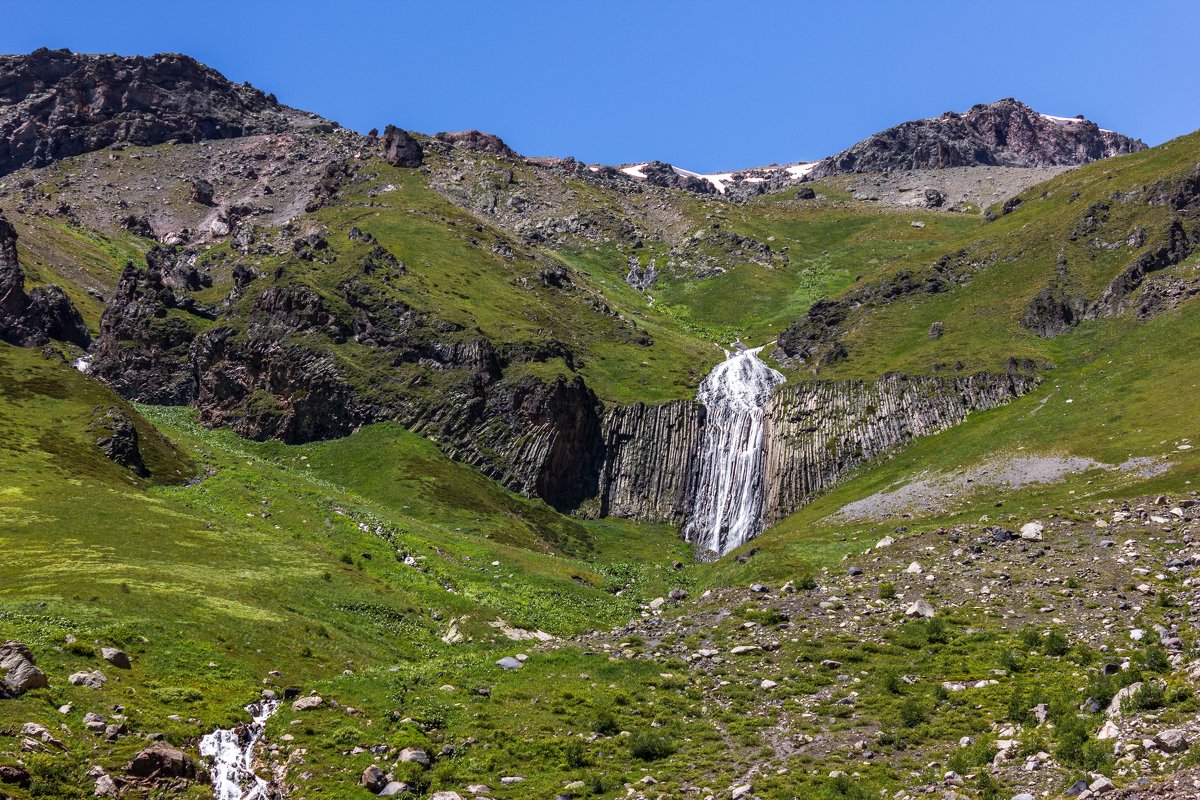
(31, 319)
(818, 432)
(400, 149)
(478, 141)
(145, 339)
(1053, 309)
(117, 438)
(650, 460)
(1004, 133)
(658, 173)
(55, 104)
(19, 669)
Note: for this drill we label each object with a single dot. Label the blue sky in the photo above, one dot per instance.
(704, 85)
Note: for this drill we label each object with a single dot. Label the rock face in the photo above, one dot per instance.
(1004, 133)
(142, 352)
(650, 461)
(55, 104)
(31, 319)
(20, 670)
(819, 431)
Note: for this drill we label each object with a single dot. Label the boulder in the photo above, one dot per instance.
(116, 657)
(412, 754)
(15, 776)
(308, 703)
(1032, 531)
(374, 779)
(394, 788)
(19, 669)
(92, 680)
(921, 608)
(1172, 740)
(161, 760)
(508, 662)
(400, 149)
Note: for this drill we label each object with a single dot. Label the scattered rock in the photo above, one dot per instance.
(308, 703)
(117, 658)
(374, 779)
(92, 680)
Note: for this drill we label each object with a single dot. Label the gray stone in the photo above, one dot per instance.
(412, 754)
(92, 680)
(117, 658)
(308, 703)
(1172, 740)
(508, 662)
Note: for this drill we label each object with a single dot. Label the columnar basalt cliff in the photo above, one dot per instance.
(650, 458)
(818, 432)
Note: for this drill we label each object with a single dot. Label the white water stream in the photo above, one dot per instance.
(230, 751)
(727, 508)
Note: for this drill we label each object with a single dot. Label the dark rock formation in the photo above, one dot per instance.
(1004, 133)
(1053, 310)
(31, 319)
(661, 174)
(144, 341)
(55, 104)
(818, 432)
(117, 438)
(478, 141)
(650, 460)
(400, 149)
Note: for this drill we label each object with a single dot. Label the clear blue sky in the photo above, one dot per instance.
(702, 84)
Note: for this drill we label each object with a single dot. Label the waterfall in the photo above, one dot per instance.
(727, 505)
(231, 753)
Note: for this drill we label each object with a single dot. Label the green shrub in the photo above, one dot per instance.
(887, 591)
(1154, 659)
(1055, 643)
(1148, 698)
(913, 712)
(650, 745)
(574, 756)
(605, 724)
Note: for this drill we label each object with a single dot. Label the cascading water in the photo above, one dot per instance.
(727, 505)
(230, 751)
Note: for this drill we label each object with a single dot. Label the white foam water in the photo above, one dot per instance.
(727, 505)
(230, 752)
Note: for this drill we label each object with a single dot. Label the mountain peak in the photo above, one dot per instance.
(1005, 133)
(56, 104)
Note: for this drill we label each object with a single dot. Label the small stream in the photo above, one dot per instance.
(230, 752)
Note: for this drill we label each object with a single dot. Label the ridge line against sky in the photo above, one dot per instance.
(705, 85)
